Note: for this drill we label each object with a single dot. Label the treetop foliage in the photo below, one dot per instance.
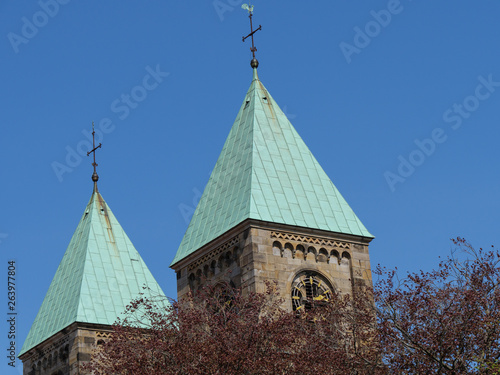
(443, 321)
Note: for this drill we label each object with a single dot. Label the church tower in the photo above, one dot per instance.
(100, 273)
(269, 212)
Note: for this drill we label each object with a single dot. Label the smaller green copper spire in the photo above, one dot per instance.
(254, 63)
(100, 273)
(95, 177)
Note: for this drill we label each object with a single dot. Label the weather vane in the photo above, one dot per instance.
(254, 63)
(95, 177)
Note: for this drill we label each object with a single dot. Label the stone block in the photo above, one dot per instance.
(83, 357)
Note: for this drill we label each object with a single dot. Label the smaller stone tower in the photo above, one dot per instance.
(100, 274)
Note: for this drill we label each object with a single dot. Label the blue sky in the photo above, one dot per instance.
(398, 101)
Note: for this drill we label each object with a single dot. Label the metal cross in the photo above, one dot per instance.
(95, 177)
(252, 31)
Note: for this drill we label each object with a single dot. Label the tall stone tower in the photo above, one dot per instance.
(270, 213)
(100, 274)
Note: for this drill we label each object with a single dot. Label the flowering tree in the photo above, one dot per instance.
(446, 321)
(220, 331)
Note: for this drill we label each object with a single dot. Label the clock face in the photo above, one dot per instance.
(309, 289)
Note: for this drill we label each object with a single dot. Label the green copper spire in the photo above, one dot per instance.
(99, 275)
(266, 172)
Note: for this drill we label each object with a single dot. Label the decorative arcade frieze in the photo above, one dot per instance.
(311, 240)
(214, 253)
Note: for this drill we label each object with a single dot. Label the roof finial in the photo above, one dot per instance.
(254, 63)
(95, 177)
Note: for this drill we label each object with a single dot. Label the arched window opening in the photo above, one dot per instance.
(228, 259)
(191, 281)
(213, 267)
(277, 249)
(323, 255)
(311, 254)
(335, 254)
(346, 258)
(206, 271)
(235, 253)
(199, 278)
(221, 262)
(300, 252)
